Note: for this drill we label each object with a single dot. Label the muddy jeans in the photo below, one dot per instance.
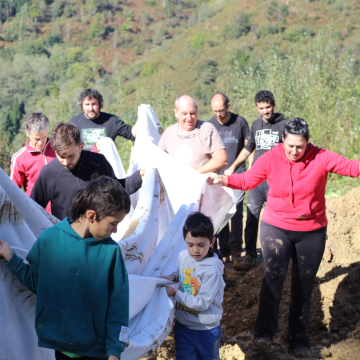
(256, 199)
(306, 249)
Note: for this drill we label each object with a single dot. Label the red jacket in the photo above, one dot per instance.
(27, 163)
(296, 197)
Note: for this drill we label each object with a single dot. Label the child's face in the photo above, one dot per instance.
(198, 247)
(102, 229)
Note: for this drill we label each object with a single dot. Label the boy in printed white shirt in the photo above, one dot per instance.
(201, 290)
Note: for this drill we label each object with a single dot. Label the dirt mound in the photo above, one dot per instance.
(334, 328)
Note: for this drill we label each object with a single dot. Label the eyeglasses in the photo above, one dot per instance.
(219, 111)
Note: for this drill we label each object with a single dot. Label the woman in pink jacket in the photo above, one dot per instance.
(293, 226)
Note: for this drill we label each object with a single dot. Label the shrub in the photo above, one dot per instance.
(239, 27)
(197, 41)
(150, 68)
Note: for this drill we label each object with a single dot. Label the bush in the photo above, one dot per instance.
(150, 68)
(52, 39)
(97, 28)
(239, 27)
(35, 47)
(197, 41)
(296, 33)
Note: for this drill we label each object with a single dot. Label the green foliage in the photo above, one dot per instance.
(197, 41)
(277, 12)
(239, 27)
(35, 47)
(13, 118)
(150, 68)
(296, 33)
(97, 28)
(316, 85)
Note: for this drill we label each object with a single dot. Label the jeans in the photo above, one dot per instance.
(306, 249)
(197, 344)
(256, 199)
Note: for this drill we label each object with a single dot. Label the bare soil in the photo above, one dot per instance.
(334, 328)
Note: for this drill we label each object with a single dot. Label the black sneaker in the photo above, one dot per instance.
(302, 352)
(262, 343)
(245, 263)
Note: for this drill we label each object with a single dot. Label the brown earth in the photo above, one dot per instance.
(334, 329)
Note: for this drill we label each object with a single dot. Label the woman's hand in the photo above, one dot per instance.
(171, 277)
(171, 291)
(142, 174)
(5, 251)
(217, 179)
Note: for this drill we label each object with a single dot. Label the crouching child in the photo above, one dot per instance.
(79, 276)
(198, 311)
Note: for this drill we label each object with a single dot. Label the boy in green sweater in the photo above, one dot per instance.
(79, 276)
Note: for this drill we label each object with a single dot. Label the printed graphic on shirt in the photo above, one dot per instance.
(188, 284)
(266, 139)
(93, 135)
(184, 153)
(227, 137)
(184, 308)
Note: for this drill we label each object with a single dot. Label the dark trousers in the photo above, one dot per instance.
(306, 249)
(256, 199)
(196, 344)
(60, 356)
(232, 240)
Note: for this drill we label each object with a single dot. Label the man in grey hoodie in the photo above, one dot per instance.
(201, 289)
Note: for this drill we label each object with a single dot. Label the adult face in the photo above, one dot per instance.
(295, 147)
(70, 156)
(91, 108)
(186, 113)
(219, 109)
(38, 140)
(266, 110)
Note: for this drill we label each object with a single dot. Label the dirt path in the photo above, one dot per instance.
(334, 329)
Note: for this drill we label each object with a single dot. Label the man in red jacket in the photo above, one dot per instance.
(27, 163)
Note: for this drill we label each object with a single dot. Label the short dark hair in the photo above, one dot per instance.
(199, 225)
(104, 195)
(297, 126)
(63, 135)
(36, 122)
(91, 94)
(225, 98)
(264, 96)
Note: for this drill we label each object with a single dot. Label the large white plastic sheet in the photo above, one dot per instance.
(150, 242)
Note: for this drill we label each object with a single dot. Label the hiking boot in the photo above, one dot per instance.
(262, 343)
(245, 263)
(235, 255)
(302, 352)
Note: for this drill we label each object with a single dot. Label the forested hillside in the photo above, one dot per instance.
(151, 51)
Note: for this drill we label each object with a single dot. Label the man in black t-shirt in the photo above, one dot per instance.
(234, 132)
(266, 132)
(95, 125)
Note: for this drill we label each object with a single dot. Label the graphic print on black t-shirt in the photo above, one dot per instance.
(93, 135)
(266, 139)
(227, 137)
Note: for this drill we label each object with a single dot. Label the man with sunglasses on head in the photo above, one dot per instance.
(194, 142)
(234, 132)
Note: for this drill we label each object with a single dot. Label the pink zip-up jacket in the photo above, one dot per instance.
(26, 165)
(296, 197)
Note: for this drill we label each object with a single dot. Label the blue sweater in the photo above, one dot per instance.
(82, 291)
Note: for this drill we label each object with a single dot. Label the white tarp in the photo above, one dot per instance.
(150, 243)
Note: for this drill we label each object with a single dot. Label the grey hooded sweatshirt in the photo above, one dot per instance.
(201, 291)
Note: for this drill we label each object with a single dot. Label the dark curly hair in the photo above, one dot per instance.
(264, 96)
(91, 94)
